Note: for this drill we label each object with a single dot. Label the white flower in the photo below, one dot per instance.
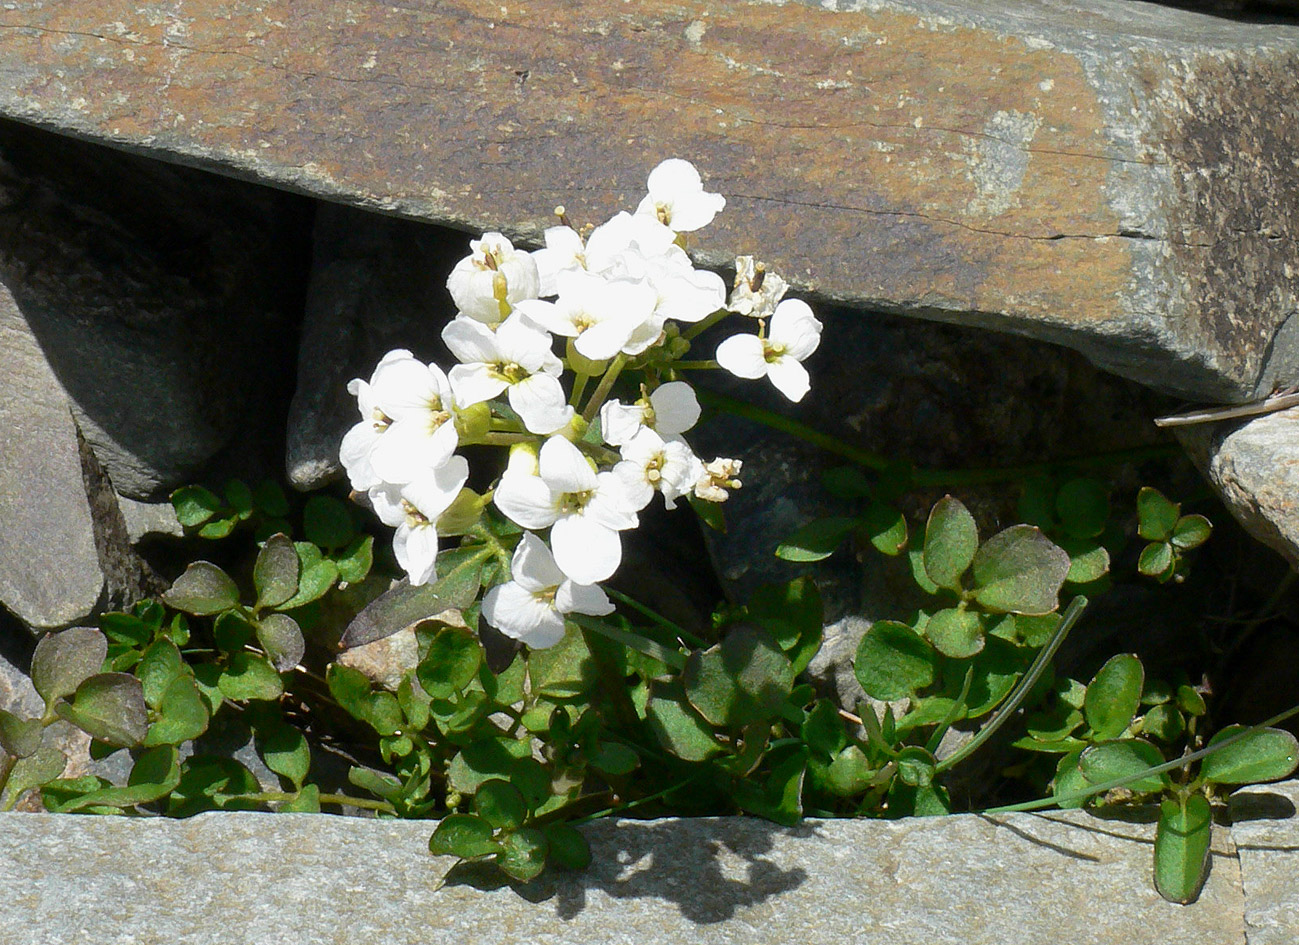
(717, 478)
(757, 291)
(531, 606)
(626, 235)
(584, 510)
(406, 429)
(564, 252)
(516, 356)
(600, 313)
(677, 197)
(651, 464)
(493, 273)
(795, 334)
(414, 509)
(670, 410)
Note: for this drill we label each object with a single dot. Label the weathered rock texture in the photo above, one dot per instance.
(307, 878)
(1106, 174)
(1263, 826)
(1254, 466)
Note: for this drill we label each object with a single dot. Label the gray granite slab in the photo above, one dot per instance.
(1267, 839)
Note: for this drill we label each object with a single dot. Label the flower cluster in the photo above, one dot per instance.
(625, 302)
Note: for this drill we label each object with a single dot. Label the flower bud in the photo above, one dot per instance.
(575, 430)
(473, 422)
(580, 363)
(464, 512)
(523, 460)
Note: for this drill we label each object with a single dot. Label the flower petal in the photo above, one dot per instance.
(416, 548)
(790, 377)
(795, 327)
(742, 355)
(526, 501)
(585, 550)
(474, 383)
(676, 408)
(589, 599)
(517, 613)
(565, 468)
(539, 402)
(533, 566)
(470, 341)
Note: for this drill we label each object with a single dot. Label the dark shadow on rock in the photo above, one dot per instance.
(1260, 806)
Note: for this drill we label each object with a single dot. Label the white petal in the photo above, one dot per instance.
(565, 468)
(612, 505)
(546, 316)
(407, 385)
(416, 549)
(523, 344)
(470, 341)
(434, 492)
(676, 408)
(533, 566)
(409, 448)
(590, 599)
(539, 402)
(584, 549)
(790, 377)
(517, 613)
(385, 499)
(619, 423)
(474, 383)
(636, 487)
(526, 501)
(604, 340)
(742, 355)
(673, 176)
(357, 445)
(796, 328)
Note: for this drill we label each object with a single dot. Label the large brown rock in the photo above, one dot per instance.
(1114, 176)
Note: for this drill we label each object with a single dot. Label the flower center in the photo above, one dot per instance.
(546, 595)
(510, 372)
(380, 420)
(664, 213)
(772, 352)
(654, 470)
(571, 503)
(414, 517)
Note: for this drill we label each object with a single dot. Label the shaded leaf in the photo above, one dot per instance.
(64, 660)
(1084, 507)
(893, 661)
(501, 804)
(202, 589)
(36, 769)
(109, 707)
(886, 528)
(817, 540)
(281, 638)
(568, 847)
(194, 505)
(793, 614)
(1156, 515)
(19, 737)
(459, 572)
(328, 522)
(677, 725)
(951, 538)
(743, 679)
(1157, 560)
(451, 663)
(778, 797)
(1191, 531)
(275, 574)
(1020, 571)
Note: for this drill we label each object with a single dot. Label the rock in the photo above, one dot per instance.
(1263, 826)
(376, 284)
(1254, 466)
(385, 661)
(1100, 174)
(145, 519)
(968, 879)
(163, 301)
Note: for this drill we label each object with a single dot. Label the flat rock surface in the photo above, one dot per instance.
(290, 878)
(1267, 843)
(1101, 173)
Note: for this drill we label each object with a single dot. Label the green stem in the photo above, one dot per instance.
(633, 641)
(579, 385)
(1147, 772)
(502, 554)
(926, 477)
(501, 439)
(699, 327)
(602, 389)
(342, 800)
(503, 425)
(673, 628)
(694, 366)
(1029, 680)
(641, 800)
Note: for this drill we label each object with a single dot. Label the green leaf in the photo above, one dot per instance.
(155, 774)
(109, 707)
(1088, 560)
(523, 856)
(614, 758)
(231, 631)
(955, 632)
(743, 679)
(380, 785)
(1069, 781)
(565, 669)
(1182, 840)
(850, 772)
(275, 574)
(1156, 515)
(208, 782)
(285, 751)
(63, 661)
(354, 561)
(463, 835)
(1163, 722)
(317, 575)
(451, 663)
(568, 847)
(886, 528)
(459, 573)
(1020, 571)
(916, 766)
(281, 638)
(240, 498)
(893, 661)
(483, 760)
(307, 801)
(249, 677)
(1125, 758)
(218, 527)
(350, 688)
(677, 725)
(202, 589)
(160, 664)
(19, 737)
(182, 714)
(1114, 696)
(1190, 701)
(817, 540)
(270, 499)
(500, 804)
(1263, 755)
(1157, 560)
(710, 513)
(1191, 531)
(951, 538)
(33, 771)
(194, 505)
(823, 729)
(779, 798)
(127, 629)
(793, 614)
(1084, 507)
(328, 522)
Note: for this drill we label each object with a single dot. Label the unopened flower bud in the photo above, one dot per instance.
(523, 460)
(464, 512)
(580, 363)
(473, 422)
(575, 430)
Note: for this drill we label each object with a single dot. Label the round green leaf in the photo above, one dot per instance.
(307, 801)
(285, 751)
(1156, 515)
(354, 561)
(1083, 506)
(328, 522)
(182, 714)
(816, 540)
(1163, 722)
(1182, 840)
(109, 707)
(678, 726)
(451, 663)
(500, 804)
(956, 633)
(1190, 701)
(240, 498)
(614, 758)
(64, 660)
(1020, 571)
(159, 666)
(194, 505)
(916, 766)
(270, 499)
(31, 772)
(249, 677)
(743, 679)
(281, 638)
(1126, 758)
(886, 528)
(1191, 531)
(202, 589)
(951, 538)
(19, 738)
(275, 574)
(893, 661)
(463, 835)
(524, 854)
(1264, 755)
(1156, 560)
(1114, 696)
(316, 575)
(1088, 560)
